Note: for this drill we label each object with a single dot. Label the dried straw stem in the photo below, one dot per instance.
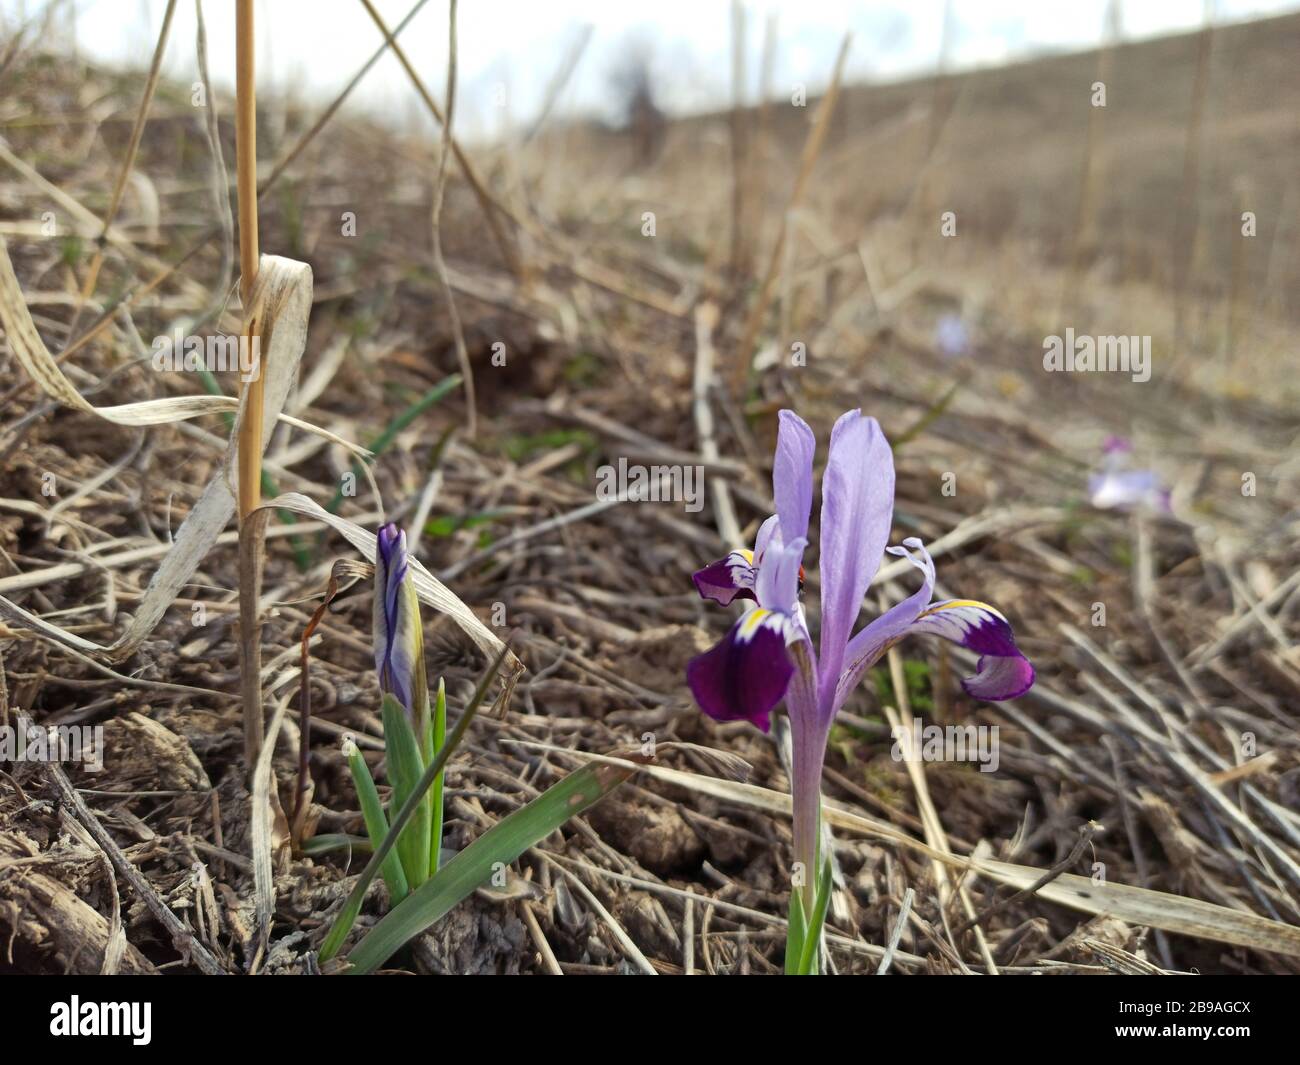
(250, 425)
(811, 150)
(133, 147)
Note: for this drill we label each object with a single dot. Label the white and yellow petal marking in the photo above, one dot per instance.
(970, 623)
(749, 626)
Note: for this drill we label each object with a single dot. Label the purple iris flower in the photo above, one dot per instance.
(1116, 486)
(951, 336)
(768, 654)
(398, 636)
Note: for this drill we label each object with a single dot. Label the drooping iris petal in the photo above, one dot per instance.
(397, 632)
(1002, 671)
(870, 644)
(727, 579)
(857, 512)
(792, 475)
(736, 576)
(1000, 678)
(746, 674)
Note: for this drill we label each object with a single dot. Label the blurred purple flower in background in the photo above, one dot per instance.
(951, 336)
(1116, 487)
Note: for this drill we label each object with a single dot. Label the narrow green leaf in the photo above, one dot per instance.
(405, 767)
(810, 955)
(929, 417)
(372, 812)
(436, 736)
(499, 846)
(327, 842)
(385, 439)
(796, 931)
(352, 905)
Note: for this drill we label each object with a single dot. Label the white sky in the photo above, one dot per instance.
(510, 49)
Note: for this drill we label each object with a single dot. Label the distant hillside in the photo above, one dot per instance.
(1010, 147)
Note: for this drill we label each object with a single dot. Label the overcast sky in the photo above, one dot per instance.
(510, 49)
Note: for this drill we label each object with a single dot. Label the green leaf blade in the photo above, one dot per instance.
(372, 812)
(347, 915)
(811, 949)
(405, 767)
(435, 738)
(796, 932)
(502, 843)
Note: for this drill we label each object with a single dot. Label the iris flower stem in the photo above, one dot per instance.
(806, 795)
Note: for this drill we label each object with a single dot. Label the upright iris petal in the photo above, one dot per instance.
(792, 474)
(776, 586)
(857, 512)
(398, 636)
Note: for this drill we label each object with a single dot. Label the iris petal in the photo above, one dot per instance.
(1127, 489)
(792, 474)
(769, 535)
(397, 632)
(744, 677)
(857, 511)
(999, 678)
(1002, 671)
(727, 579)
(866, 648)
(777, 583)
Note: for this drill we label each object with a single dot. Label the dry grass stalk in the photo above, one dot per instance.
(440, 263)
(740, 170)
(808, 160)
(128, 162)
(490, 207)
(250, 425)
